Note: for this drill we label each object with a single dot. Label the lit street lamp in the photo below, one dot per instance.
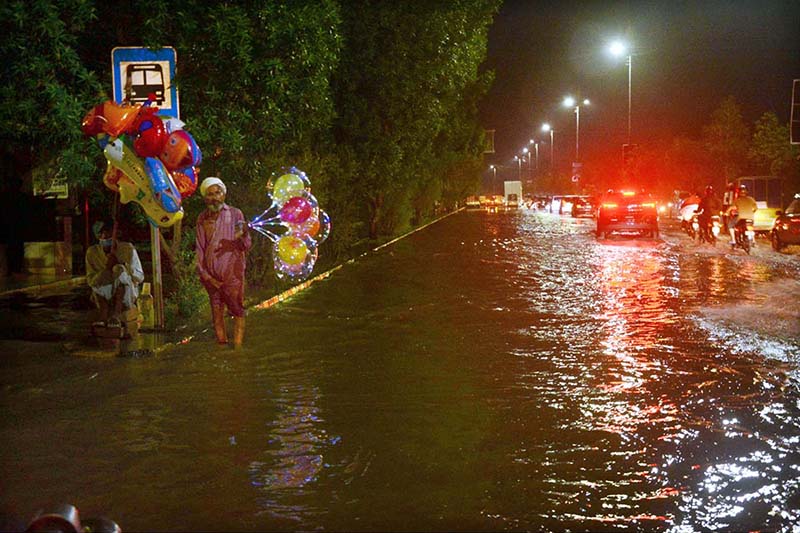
(545, 128)
(570, 102)
(536, 146)
(525, 152)
(519, 166)
(494, 177)
(618, 49)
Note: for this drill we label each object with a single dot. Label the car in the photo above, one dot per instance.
(555, 204)
(566, 204)
(627, 211)
(583, 207)
(786, 228)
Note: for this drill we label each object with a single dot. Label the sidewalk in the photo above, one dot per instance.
(34, 284)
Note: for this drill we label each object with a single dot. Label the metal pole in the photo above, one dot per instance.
(158, 297)
(552, 152)
(519, 168)
(537, 156)
(630, 68)
(577, 131)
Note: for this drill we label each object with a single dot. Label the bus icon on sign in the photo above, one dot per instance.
(142, 80)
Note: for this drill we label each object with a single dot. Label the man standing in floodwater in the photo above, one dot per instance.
(221, 244)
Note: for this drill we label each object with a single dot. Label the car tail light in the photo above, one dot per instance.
(649, 204)
(609, 206)
(628, 193)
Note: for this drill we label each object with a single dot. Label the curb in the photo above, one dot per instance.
(36, 289)
(274, 300)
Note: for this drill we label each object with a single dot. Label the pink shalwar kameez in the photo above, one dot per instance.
(221, 256)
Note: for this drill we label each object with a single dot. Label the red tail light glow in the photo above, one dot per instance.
(609, 206)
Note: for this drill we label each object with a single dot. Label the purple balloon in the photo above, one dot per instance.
(295, 210)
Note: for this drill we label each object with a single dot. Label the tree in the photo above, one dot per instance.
(727, 140)
(405, 70)
(771, 153)
(45, 91)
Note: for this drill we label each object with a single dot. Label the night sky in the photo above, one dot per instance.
(687, 57)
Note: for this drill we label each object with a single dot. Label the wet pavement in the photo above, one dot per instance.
(495, 371)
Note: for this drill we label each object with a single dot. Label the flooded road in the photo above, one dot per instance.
(491, 372)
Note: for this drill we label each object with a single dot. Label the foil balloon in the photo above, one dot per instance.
(112, 176)
(180, 151)
(93, 122)
(163, 188)
(110, 117)
(136, 184)
(172, 124)
(186, 180)
(149, 133)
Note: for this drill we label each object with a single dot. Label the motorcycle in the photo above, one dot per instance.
(745, 235)
(709, 230)
(687, 214)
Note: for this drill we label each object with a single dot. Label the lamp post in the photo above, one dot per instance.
(545, 128)
(494, 176)
(619, 48)
(519, 167)
(570, 102)
(536, 149)
(527, 152)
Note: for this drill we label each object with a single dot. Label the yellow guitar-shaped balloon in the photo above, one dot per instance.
(136, 188)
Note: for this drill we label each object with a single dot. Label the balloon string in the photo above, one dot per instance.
(268, 234)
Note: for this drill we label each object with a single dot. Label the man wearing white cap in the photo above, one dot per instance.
(221, 243)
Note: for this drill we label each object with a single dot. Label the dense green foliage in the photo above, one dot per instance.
(377, 104)
(726, 149)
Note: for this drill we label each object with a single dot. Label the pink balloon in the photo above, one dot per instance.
(295, 210)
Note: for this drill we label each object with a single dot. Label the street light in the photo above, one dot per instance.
(536, 146)
(570, 102)
(494, 177)
(545, 128)
(525, 151)
(519, 167)
(619, 49)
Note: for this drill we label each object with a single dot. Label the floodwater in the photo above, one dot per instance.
(492, 372)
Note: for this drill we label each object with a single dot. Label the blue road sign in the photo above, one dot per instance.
(139, 73)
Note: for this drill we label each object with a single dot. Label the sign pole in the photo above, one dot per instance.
(158, 295)
(138, 73)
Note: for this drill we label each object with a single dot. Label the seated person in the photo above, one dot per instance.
(114, 272)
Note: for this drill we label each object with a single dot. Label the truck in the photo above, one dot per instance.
(513, 193)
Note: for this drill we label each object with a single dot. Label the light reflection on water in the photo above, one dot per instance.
(492, 372)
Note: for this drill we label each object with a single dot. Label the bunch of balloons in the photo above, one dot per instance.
(294, 223)
(152, 160)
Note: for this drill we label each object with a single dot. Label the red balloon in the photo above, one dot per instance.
(295, 210)
(150, 134)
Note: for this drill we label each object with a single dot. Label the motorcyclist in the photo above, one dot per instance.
(687, 209)
(708, 207)
(743, 207)
(727, 200)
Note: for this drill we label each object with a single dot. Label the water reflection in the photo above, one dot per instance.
(493, 372)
